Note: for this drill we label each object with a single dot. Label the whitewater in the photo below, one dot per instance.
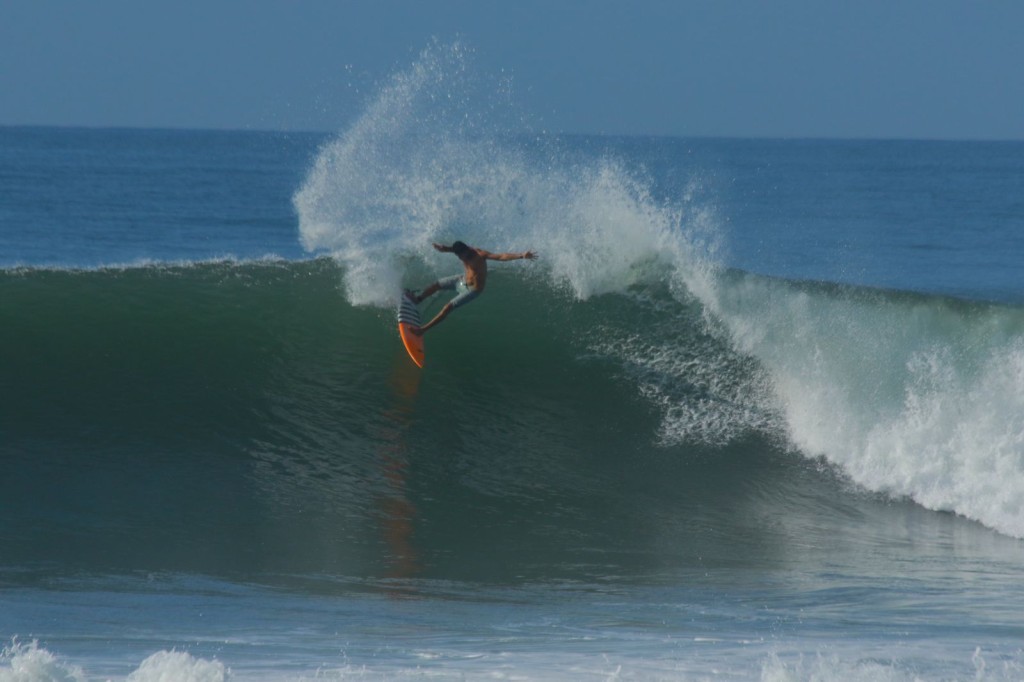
(756, 412)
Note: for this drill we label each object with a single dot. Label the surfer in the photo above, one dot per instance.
(469, 285)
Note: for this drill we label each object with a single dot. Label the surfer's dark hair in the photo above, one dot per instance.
(459, 248)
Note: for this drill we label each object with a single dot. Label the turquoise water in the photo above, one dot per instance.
(755, 413)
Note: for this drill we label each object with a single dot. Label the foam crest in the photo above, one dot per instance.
(178, 666)
(31, 663)
(913, 396)
(958, 442)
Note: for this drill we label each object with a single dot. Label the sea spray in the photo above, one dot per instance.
(425, 162)
(400, 176)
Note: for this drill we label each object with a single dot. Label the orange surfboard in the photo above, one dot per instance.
(409, 319)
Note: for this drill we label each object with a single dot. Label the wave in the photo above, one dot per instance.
(914, 396)
(244, 416)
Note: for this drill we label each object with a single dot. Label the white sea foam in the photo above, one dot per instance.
(28, 662)
(21, 662)
(917, 397)
(178, 666)
(32, 663)
(979, 666)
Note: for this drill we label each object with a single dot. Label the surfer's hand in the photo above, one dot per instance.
(529, 255)
(440, 247)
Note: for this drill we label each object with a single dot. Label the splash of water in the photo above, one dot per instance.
(426, 163)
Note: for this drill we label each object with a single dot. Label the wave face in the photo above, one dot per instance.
(245, 417)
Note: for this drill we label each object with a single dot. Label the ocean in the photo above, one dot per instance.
(755, 413)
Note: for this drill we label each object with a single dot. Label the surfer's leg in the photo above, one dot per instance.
(434, 322)
(445, 283)
(465, 296)
(426, 293)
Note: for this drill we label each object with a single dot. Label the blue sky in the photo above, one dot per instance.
(779, 68)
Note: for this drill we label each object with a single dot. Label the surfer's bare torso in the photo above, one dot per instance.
(474, 263)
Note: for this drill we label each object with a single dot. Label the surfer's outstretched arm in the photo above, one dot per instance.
(530, 255)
